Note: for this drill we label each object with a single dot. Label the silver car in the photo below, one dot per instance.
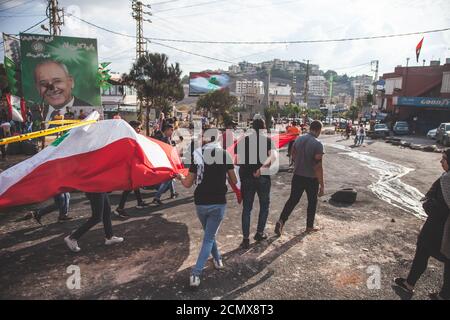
(432, 134)
(443, 134)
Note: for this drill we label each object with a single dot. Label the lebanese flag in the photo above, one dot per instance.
(15, 107)
(418, 48)
(105, 156)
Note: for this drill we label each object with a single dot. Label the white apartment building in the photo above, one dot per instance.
(362, 85)
(317, 86)
(244, 86)
(234, 69)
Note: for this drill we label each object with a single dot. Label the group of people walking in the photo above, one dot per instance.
(211, 178)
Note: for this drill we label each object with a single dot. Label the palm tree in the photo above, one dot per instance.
(157, 83)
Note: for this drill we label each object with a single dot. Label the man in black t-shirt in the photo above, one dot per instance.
(210, 169)
(255, 154)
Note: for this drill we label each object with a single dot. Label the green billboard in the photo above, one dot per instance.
(59, 72)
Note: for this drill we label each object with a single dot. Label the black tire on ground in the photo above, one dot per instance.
(347, 195)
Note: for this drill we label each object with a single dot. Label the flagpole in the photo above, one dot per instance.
(406, 77)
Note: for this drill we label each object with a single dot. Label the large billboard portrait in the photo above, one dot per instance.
(204, 82)
(60, 73)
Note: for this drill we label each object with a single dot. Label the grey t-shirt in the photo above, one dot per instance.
(306, 148)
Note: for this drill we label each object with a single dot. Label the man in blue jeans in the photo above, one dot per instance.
(60, 203)
(210, 169)
(255, 153)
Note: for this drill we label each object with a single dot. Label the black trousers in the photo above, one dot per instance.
(101, 210)
(124, 197)
(419, 266)
(299, 185)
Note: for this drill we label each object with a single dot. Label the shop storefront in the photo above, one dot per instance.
(423, 113)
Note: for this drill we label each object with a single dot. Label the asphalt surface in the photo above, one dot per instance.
(162, 243)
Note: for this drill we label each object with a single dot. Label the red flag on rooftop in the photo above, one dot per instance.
(418, 48)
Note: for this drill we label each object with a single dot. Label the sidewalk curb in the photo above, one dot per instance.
(413, 146)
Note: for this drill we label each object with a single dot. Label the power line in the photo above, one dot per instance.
(164, 2)
(17, 5)
(269, 42)
(191, 53)
(190, 6)
(150, 40)
(351, 67)
(302, 41)
(34, 25)
(223, 10)
(23, 16)
(6, 1)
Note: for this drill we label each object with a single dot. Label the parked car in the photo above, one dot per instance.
(380, 130)
(432, 134)
(442, 134)
(401, 127)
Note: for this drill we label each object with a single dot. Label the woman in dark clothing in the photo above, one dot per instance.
(430, 238)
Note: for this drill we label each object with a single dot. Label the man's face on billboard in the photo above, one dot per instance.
(54, 84)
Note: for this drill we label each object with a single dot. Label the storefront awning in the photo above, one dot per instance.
(422, 102)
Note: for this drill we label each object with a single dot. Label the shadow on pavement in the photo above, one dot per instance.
(240, 267)
(153, 249)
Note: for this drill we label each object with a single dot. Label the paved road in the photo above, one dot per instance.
(161, 244)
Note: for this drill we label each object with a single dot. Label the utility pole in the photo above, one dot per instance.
(406, 78)
(305, 94)
(293, 88)
(55, 16)
(138, 14)
(331, 88)
(375, 79)
(267, 89)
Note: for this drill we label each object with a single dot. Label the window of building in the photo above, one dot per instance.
(392, 84)
(445, 83)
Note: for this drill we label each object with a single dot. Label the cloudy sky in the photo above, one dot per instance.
(254, 20)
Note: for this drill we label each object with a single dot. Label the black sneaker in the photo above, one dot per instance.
(245, 244)
(157, 202)
(142, 205)
(260, 236)
(279, 228)
(64, 218)
(174, 196)
(36, 217)
(401, 283)
(121, 213)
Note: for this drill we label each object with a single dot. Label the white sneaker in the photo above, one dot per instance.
(194, 281)
(218, 264)
(72, 244)
(113, 240)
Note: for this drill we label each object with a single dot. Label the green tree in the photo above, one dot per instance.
(268, 114)
(352, 112)
(315, 114)
(218, 103)
(157, 83)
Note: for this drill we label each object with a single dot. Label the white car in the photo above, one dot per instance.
(432, 134)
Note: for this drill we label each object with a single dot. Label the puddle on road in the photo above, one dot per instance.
(389, 187)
